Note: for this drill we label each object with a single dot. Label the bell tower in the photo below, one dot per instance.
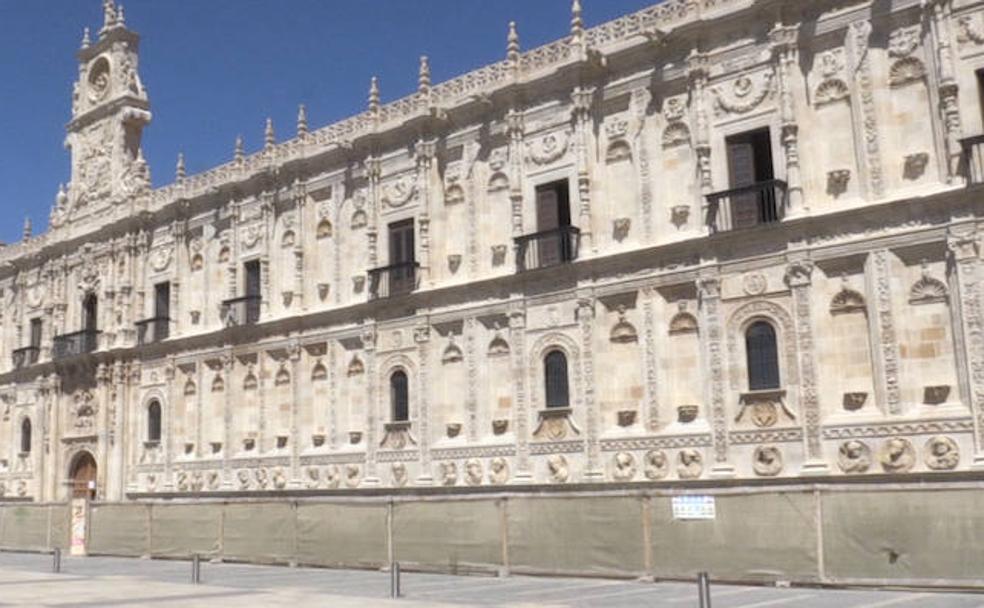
(110, 108)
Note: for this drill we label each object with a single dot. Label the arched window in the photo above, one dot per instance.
(90, 313)
(763, 358)
(154, 421)
(555, 379)
(26, 436)
(399, 400)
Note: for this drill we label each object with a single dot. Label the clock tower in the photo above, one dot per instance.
(110, 108)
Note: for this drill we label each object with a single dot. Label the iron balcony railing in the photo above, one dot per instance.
(241, 311)
(74, 344)
(547, 248)
(748, 206)
(972, 162)
(393, 280)
(153, 330)
(26, 356)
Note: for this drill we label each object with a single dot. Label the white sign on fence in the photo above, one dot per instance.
(693, 507)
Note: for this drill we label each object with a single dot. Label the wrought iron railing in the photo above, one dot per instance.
(547, 248)
(748, 206)
(74, 344)
(393, 280)
(26, 356)
(244, 310)
(153, 330)
(972, 162)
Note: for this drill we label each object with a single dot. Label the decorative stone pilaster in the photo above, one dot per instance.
(582, 104)
(516, 128)
(374, 172)
(373, 420)
(968, 315)
(709, 292)
(785, 51)
(299, 199)
(798, 278)
(650, 359)
(640, 103)
(698, 72)
(882, 328)
(167, 421)
(294, 355)
(471, 361)
(227, 363)
(585, 320)
(859, 59)
(421, 336)
(939, 14)
(517, 336)
(333, 389)
(426, 151)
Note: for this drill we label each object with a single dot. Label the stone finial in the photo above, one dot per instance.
(269, 138)
(61, 199)
(28, 231)
(120, 18)
(577, 20)
(239, 154)
(302, 123)
(424, 76)
(109, 14)
(374, 95)
(86, 41)
(179, 171)
(512, 44)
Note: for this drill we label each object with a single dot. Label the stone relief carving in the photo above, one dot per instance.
(449, 473)
(690, 464)
(557, 468)
(623, 466)
(897, 455)
(548, 148)
(400, 192)
(854, 456)
(498, 471)
(941, 453)
(623, 332)
(969, 29)
(927, 290)
(754, 283)
(473, 472)
(746, 93)
(657, 465)
(353, 475)
(398, 474)
(767, 461)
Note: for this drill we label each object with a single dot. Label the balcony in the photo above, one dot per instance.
(746, 207)
(547, 248)
(153, 330)
(78, 343)
(972, 163)
(26, 356)
(241, 311)
(395, 280)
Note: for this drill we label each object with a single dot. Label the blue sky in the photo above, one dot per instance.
(217, 68)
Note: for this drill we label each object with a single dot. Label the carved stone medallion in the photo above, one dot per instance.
(897, 455)
(498, 471)
(854, 456)
(690, 464)
(657, 465)
(557, 467)
(399, 474)
(767, 461)
(449, 473)
(942, 453)
(473, 472)
(623, 466)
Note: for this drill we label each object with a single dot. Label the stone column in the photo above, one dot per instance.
(515, 127)
(640, 103)
(712, 347)
(650, 359)
(294, 354)
(421, 336)
(881, 322)
(940, 18)
(471, 361)
(594, 470)
(426, 153)
(968, 318)
(583, 100)
(786, 54)
(799, 278)
(299, 195)
(698, 73)
(864, 109)
(373, 421)
(117, 429)
(167, 423)
(227, 363)
(517, 336)
(374, 173)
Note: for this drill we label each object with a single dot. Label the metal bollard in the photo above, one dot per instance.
(395, 580)
(704, 590)
(56, 560)
(196, 569)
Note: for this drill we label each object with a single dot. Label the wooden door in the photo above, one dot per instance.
(401, 257)
(552, 213)
(83, 476)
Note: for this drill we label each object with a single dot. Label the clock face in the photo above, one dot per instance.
(99, 80)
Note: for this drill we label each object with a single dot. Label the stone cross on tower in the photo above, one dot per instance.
(110, 108)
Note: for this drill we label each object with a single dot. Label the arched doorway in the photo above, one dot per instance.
(82, 475)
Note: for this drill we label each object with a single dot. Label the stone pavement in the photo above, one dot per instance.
(26, 580)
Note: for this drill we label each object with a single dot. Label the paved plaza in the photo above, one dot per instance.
(26, 580)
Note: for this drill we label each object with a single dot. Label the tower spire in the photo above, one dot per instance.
(512, 44)
(109, 15)
(239, 154)
(577, 21)
(269, 138)
(179, 171)
(28, 231)
(424, 76)
(302, 123)
(374, 95)
(85, 38)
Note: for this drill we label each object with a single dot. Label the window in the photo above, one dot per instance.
(555, 379)
(749, 164)
(162, 301)
(401, 257)
(36, 333)
(25, 446)
(763, 359)
(399, 400)
(980, 92)
(90, 313)
(251, 314)
(553, 215)
(154, 421)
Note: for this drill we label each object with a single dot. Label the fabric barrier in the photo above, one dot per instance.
(342, 534)
(904, 535)
(25, 527)
(258, 532)
(600, 535)
(752, 537)
(59, 524)
(186, 529)
(118, 529)
(449, 535)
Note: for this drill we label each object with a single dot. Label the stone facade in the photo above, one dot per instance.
(242, 330)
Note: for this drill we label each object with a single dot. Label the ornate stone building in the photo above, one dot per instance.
(715, 239)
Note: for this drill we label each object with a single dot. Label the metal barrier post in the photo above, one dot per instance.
(56, 560)
(704, 590)
(395, 580)
(196, 569)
